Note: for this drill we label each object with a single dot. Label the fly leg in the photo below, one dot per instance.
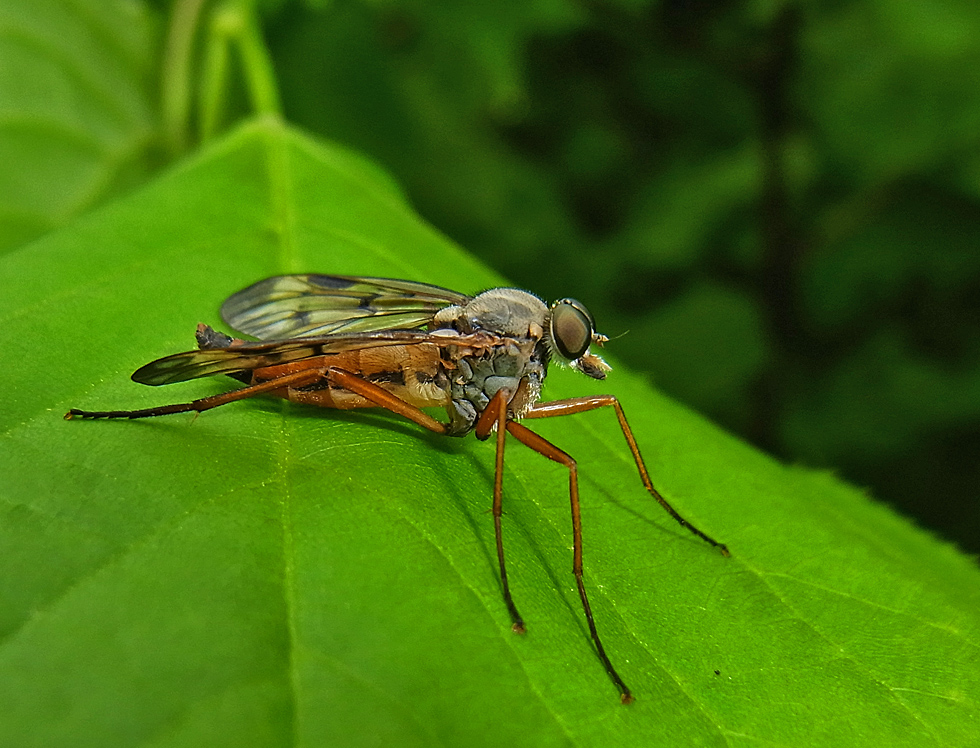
(495, 414)
(380, 397)
(383, 399)
(542, 446)
(582, 404)
(297, 379)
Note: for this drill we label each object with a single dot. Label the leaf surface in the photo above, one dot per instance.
(267, 574)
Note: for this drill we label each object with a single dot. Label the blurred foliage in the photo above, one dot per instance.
(776, 204)
(76, 111)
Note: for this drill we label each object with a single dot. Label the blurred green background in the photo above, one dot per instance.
(772, 207)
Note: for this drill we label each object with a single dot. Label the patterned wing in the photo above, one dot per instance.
(295, 306)
(237, 356)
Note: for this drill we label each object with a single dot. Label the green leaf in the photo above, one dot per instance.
(77, 123)
(267, 574)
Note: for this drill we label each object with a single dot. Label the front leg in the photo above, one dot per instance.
(582, 404)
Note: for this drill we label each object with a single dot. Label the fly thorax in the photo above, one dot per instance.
(505, 312)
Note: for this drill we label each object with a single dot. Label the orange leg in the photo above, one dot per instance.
(297, 379)
(542, 446)
(582, 404)
(384, 399)
(339, 377)
(495, 414)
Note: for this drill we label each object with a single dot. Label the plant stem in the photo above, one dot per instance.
(175, 84)
(259, 73)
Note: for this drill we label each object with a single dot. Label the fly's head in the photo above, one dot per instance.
(565, 329)
(570, 332)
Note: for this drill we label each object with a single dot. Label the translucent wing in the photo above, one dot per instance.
(293, 306)
(237, 356)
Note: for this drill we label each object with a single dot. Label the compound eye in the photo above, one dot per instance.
(571, 328)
